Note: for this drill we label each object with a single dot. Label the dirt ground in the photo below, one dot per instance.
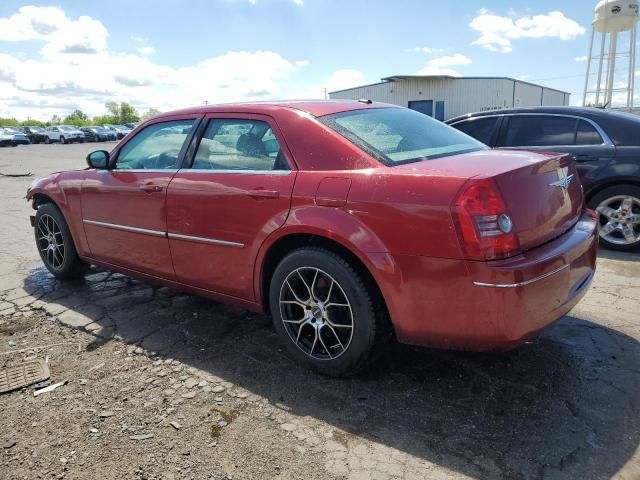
(163, 385)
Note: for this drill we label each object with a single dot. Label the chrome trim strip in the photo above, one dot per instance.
(213, 241)
(254, 172)
(521, 284)
(141, 170)
(126, 228)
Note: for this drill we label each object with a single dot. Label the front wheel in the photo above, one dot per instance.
(324, 313)
(618, 210)
(55, 245)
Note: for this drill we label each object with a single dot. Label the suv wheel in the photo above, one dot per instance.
(55, 245)
(62, 140)
(47, 140)
(618, 210)
(324, 313)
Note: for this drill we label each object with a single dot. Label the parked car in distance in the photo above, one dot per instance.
(19, 137)
(98, 134)
(349, 223)
(120, 130)
(64, 134)
(6, 138)
(35, 134)
(605, 145)
(131, 125)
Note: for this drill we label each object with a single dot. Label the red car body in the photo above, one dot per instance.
(216, 234)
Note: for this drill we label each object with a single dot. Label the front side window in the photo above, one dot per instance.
(540, 131)
(239, 144)
(400, 135)
(479, 128)
(157, 146)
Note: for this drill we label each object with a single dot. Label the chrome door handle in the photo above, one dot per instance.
(150, 188)
(261, 193)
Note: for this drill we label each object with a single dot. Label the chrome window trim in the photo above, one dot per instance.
(237, 172)
(142, 170)
(213, 241)
(126, 228)
(522, 284)
(606, 140)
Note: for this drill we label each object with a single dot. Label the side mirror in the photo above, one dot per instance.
(98, 159)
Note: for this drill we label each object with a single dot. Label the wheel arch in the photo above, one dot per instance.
(612, 182)
(280, 247)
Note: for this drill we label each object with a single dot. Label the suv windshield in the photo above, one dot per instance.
(400, 135)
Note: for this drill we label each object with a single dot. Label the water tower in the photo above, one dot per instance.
(615, 21)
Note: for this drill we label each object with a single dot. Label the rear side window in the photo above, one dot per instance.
(239, 144)
(587, 134)
(540, 131)
(479, 128)
(399, 135)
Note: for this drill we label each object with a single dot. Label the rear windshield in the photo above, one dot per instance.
(400, 135)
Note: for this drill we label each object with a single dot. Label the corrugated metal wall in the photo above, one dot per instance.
(461, 95)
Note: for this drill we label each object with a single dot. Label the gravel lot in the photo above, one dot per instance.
(166, 385)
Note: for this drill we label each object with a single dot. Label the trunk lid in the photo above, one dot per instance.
(541, 190)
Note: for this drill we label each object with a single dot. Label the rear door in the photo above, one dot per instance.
(123, 209)
(233, 194)
(580, 137)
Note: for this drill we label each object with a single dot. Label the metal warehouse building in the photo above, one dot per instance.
(445, 97)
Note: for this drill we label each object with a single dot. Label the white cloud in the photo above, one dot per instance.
(581, 59)
(61, 34)
(299, 2)
(428, 50)
(440, 65)
(61, 78)
(347, 78)
(496, 32)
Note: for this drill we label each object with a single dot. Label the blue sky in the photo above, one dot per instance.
(170, 53)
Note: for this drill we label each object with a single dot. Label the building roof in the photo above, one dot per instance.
(393, 78)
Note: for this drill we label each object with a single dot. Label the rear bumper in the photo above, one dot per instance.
(492, 305)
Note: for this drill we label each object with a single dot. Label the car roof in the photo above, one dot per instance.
(587, 112)
(316, 108)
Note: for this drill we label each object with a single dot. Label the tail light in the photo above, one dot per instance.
(483, 222)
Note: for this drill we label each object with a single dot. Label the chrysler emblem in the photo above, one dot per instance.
(564, 180)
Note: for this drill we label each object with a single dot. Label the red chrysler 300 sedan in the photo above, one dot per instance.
(347, 221)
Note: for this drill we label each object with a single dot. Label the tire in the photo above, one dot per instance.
(618, 209)
(47, 141)
(337, 351)
(60, 255)
(63, 140)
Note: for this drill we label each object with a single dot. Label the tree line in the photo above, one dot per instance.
(119, 113)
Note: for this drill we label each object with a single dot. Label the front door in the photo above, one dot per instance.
(123, 208)
(422, 106)
(236, 192)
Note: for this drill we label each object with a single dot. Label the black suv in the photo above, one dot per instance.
(605, 145)
(34, 134)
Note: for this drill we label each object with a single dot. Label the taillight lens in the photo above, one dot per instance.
(484, 225)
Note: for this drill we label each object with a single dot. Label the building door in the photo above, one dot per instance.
(440, 111)
(422, 106)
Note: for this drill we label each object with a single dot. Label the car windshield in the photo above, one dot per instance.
(11, 130)
(67, 129)
(400, 135)
(36, 129)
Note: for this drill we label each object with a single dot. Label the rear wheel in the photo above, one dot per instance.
(47, 140)
(55, 245)
(324, 313)
(618, 210)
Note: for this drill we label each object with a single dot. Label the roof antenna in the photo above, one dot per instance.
(364, 100)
